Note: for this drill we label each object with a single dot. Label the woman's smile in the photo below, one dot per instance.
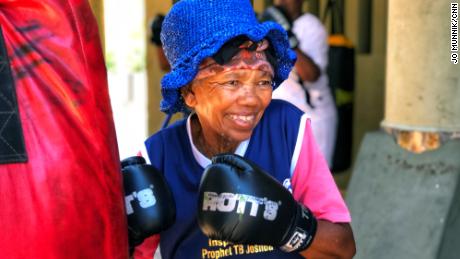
(242, 121)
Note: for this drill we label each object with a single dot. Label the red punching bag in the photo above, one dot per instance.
(60, 182)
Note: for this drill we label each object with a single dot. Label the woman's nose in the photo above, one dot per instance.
(248, 95)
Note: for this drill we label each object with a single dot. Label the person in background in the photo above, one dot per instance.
(155, 29)
(307, 86)
(238, 146)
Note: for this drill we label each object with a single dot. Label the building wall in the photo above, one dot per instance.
(155, 116)
(369, 89)
(370, 69)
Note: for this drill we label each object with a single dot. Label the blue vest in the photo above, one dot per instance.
(271, 147)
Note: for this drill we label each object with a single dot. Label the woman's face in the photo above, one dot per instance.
(229, 104)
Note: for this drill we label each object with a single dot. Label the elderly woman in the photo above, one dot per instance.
(225, 66)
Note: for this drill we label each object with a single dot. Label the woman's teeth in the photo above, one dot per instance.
(245, 118)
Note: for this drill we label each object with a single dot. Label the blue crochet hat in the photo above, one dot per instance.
(196, 29)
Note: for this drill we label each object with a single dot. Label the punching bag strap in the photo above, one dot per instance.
(12, 148)
(335, 9)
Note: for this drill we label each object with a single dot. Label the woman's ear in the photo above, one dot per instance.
(188, 95)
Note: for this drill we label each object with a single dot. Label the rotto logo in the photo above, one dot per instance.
(145, 198)
(227, 202)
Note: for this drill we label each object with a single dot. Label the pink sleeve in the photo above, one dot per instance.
(143, 153)
(312, 182)
(147, 249)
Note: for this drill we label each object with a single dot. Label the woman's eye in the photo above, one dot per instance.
(266, 83)
(232, 83)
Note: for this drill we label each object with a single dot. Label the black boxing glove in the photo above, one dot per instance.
(155, 28)
(279, 15)
(240, 203)
(149, 203)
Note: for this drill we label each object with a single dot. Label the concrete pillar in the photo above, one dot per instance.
(422, 85)
(404, 192)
